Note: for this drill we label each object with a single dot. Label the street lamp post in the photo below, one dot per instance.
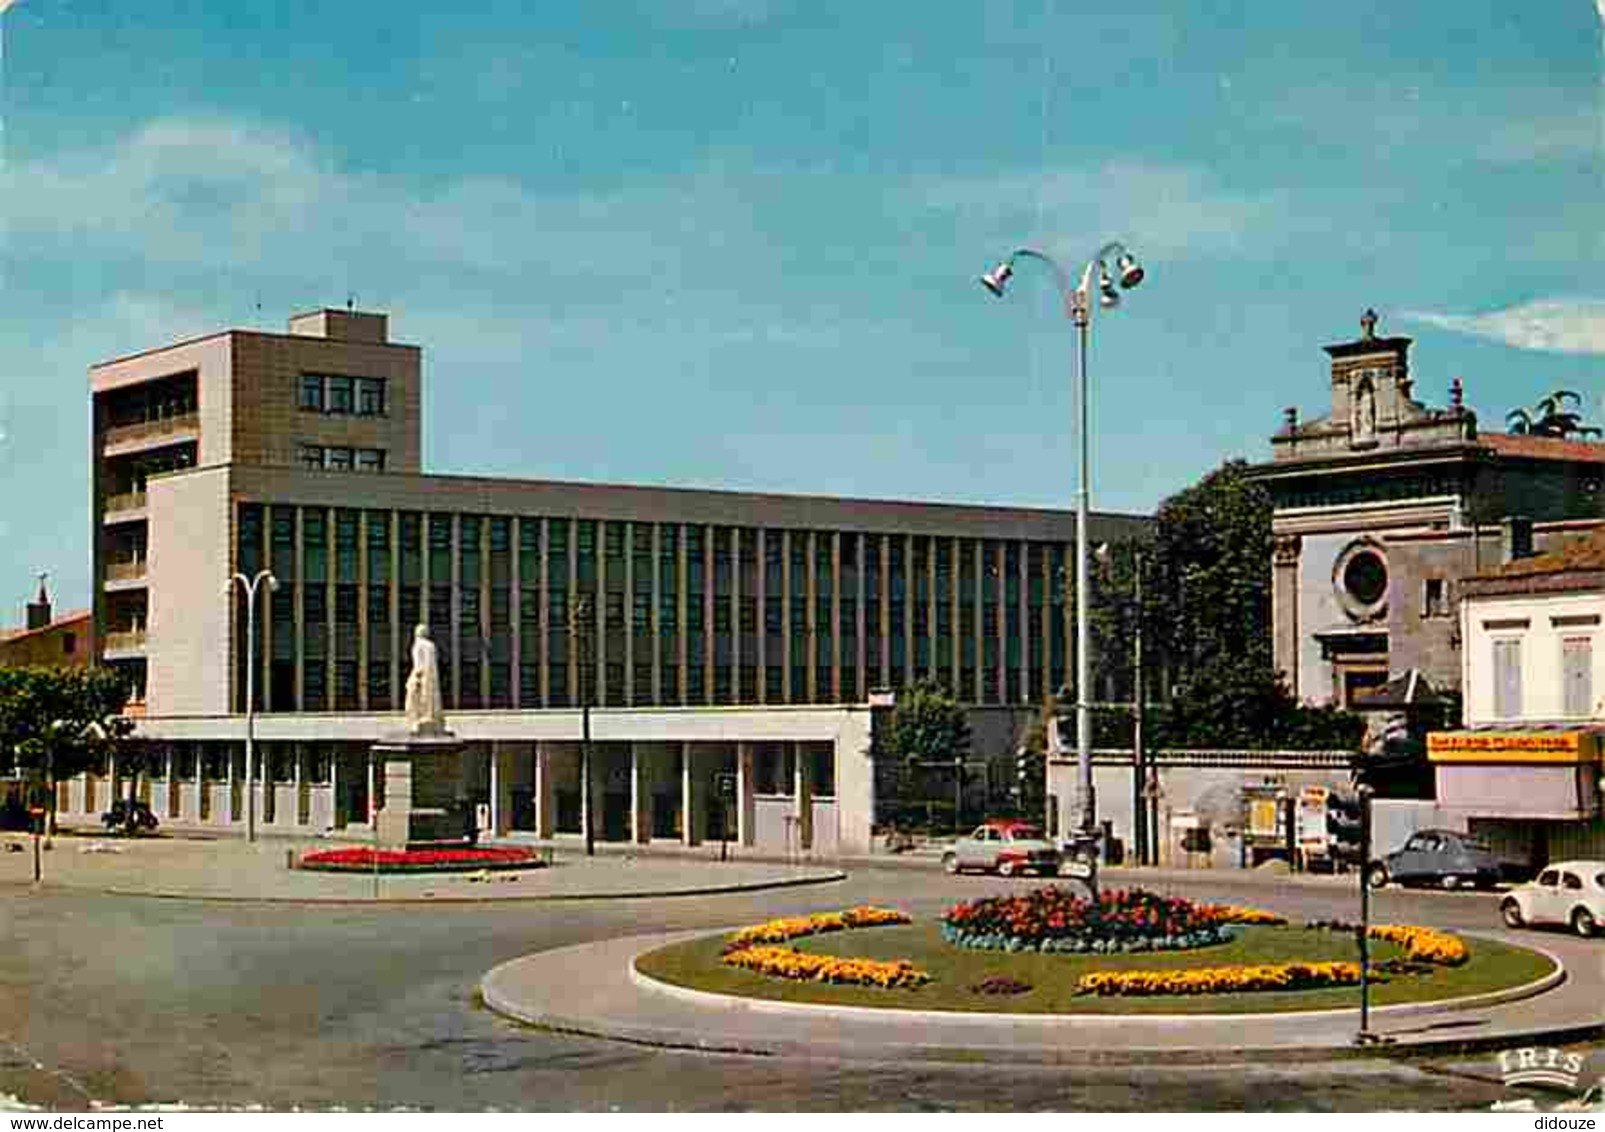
(1139, 752)
(580, 634)
(250, 586)
(1078, 307)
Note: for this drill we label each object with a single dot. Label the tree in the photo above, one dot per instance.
(926, 728)
(1225, 703)
(1207, 610)
(57, 722)
(1211, 579)
(1551, 416)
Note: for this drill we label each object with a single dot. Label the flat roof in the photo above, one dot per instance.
(642, 503)
(199, 338)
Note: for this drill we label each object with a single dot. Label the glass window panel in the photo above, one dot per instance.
(341, 395)
(371, 396)
(311, 396)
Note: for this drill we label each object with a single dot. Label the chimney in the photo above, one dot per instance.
(1515, 538)
(39, 608)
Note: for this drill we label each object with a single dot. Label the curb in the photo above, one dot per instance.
(688, 1037)
(830, 877)
(717, 1001)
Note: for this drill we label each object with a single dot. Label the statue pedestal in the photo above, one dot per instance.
(424, 796)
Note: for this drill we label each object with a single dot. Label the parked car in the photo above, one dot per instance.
(1008, 847)
(1444, 857)
(1571, 893)
(128, 817)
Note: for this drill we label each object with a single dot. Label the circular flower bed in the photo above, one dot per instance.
(1055, 919)
(364, 859)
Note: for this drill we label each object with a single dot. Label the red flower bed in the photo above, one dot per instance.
(1056, 919)
(364, 858)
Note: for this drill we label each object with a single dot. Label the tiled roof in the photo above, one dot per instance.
(9, 635)
(1575, 555)
(1544, 447)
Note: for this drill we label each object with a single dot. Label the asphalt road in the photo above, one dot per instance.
(138, 1001)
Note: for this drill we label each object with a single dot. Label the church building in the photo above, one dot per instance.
(1383, 504)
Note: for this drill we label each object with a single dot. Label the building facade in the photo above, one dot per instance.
(1382, 505)
(1527, 771)
(725, 640)
(47, 640)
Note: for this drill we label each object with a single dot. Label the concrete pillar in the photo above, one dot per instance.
(170, 774)
(803, 789)
(855, 784)
(544, 802)
(746, 809)
(1285, 553)
(501, 788)
(640, 794)
(337, 806)
(373, 791)
(303, 803)
(692, 800)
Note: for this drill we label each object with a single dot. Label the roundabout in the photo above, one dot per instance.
(1214, 984)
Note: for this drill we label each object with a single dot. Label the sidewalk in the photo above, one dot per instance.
(594, 990)
(230, 869)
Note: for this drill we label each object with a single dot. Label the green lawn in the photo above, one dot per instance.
(1053, 977)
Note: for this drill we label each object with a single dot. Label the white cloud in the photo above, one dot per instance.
(1562, 326)
(201, 193)
(1175, 208)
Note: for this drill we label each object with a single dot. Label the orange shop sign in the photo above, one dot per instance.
(1512, 746)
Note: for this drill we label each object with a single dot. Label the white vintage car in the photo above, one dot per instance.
(1571, 893)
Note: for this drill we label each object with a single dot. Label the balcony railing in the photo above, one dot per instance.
(149, 430)
(125, 571)
(125, 640)
(127, 501)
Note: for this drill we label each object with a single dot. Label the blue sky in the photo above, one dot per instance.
(733, 243)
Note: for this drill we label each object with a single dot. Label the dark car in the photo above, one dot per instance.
(128, 816)
(1442, 857)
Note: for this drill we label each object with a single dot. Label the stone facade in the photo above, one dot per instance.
(1381, 504)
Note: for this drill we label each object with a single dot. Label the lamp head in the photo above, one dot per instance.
(273, 583)
(1130, 270)
(998, 278)
(1108, 297)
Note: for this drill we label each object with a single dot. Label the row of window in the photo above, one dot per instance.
(1576, 677)
(340, 395)
(342, 459)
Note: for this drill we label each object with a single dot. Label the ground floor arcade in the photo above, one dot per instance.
(792, 782)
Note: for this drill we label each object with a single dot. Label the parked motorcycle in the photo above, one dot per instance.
(128, 817)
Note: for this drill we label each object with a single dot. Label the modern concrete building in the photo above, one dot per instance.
(1382, 505)
(729, 640)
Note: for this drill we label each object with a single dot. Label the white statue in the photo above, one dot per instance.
(423, 686)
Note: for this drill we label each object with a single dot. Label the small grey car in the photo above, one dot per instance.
(1442, 857)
